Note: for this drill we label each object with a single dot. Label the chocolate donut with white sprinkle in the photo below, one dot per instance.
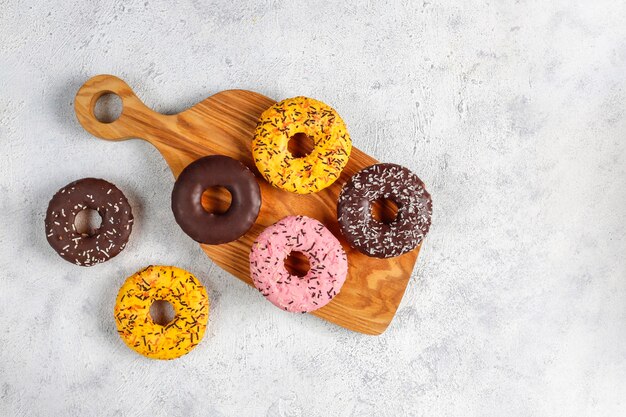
(375, 238)
(108, 240)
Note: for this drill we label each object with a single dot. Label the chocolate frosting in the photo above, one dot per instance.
(113, 233)
(372, 237)
(210, 171)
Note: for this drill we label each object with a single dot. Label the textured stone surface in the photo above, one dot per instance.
(513, 114)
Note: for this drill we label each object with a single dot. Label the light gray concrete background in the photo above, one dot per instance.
(513, 114)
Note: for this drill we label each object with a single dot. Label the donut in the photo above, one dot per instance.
(113, 233)
(132, 312)
(311, 173)
(372, 237)
(327, 260)
(211, 228)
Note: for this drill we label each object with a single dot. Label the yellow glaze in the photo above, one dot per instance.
(311, 173)
(132, 312)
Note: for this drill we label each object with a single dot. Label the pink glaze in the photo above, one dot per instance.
(327, 260)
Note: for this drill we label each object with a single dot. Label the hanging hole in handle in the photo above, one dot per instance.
(108, 107)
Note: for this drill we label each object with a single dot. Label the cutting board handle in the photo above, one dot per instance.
(134, 112)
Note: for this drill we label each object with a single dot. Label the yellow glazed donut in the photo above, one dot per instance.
(132, 312)
(311, 173)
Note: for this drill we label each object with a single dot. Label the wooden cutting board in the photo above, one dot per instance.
(224, 124)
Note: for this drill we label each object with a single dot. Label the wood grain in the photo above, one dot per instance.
(224, 124)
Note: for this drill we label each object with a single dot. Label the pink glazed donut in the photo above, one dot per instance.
(327, 260)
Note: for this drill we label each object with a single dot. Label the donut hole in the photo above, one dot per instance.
(297, 263)
(108, 108)
(300, 145)
(162, 312)
(87, 222)
(216, 199)
(384, 210)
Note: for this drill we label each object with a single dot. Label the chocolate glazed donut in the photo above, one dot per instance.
(210, 171)
(372, 237)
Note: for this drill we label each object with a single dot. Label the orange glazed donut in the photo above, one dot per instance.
(132, 312)
(311, 173)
